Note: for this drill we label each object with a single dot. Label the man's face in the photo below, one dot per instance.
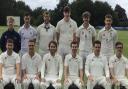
(46, 18)
(67, 14)
(119, 49)
(108, 22)
(10, 23)
(86, 20)
(52, 48)
(27, 19)
(9, 46)
(97, 48)
(74, 48)
(31, 46)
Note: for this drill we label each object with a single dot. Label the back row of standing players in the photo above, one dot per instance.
(65, 32)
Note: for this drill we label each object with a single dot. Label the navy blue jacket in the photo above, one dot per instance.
(11, 35)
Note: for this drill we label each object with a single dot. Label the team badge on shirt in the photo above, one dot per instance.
(70, 25)
(82, 32)
(48, 59)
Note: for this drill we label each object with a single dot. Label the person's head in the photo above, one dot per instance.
(52, 47)
(86, 17)
(67, 12)
(31, 45)
(97, 46)
(73, 86)
(119, 48)
(9, 45)
(27, 18)
(10, 23)
(74, 47)
(97, 86)
(46, 17)
(108, 20)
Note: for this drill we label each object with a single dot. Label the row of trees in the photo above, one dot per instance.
(98, 10)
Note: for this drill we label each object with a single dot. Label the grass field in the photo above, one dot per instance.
(122, 35)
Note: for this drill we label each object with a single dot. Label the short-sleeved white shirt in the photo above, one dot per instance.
(66, 30)
(86, 36)
(52, 65)
(45, 36)
(26, 35)
(32, 65)
(96, 66)
(108, 39)
(74, 65)
(119, 65)
(9, 63)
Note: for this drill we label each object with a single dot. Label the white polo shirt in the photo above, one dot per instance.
(86, 36)
(108, 39)
(9, 63)
(52, 66)
(66, 30)
(45, 36)
(32, 65)
(119, 65)
(74, 65)
(96, 66)
(26, 35)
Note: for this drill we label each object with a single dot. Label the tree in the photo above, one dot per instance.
(121, 13)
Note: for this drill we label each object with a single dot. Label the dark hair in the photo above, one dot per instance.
(9, 41)
(32, 40)
(73, 86)
(97, 86)
(54, 42)
(86, 14)
(118, 43)
(46, 13)
(27, 14)
(96, 42)
(66, 9)
(74, 42)
(108, 16)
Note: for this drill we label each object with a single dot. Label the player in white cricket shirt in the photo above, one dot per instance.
(10, 66)
(96, 68)
(31, 66)
(108, 37)
(66, 32)
(86, 35)
(52, 68)
(73, 68)
(26, 32)
(119, 66)
(45, 33)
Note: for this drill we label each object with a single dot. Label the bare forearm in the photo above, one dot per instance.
(1, 69)
(81, 74)
(65, 72)
(18, 69)
(57, 37)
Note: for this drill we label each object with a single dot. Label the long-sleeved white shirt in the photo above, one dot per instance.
(96, 66)
(119, 65)
(52, 65)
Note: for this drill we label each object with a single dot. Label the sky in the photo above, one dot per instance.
(51, 4)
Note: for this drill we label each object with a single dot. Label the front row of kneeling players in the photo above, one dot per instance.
(49, 71)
